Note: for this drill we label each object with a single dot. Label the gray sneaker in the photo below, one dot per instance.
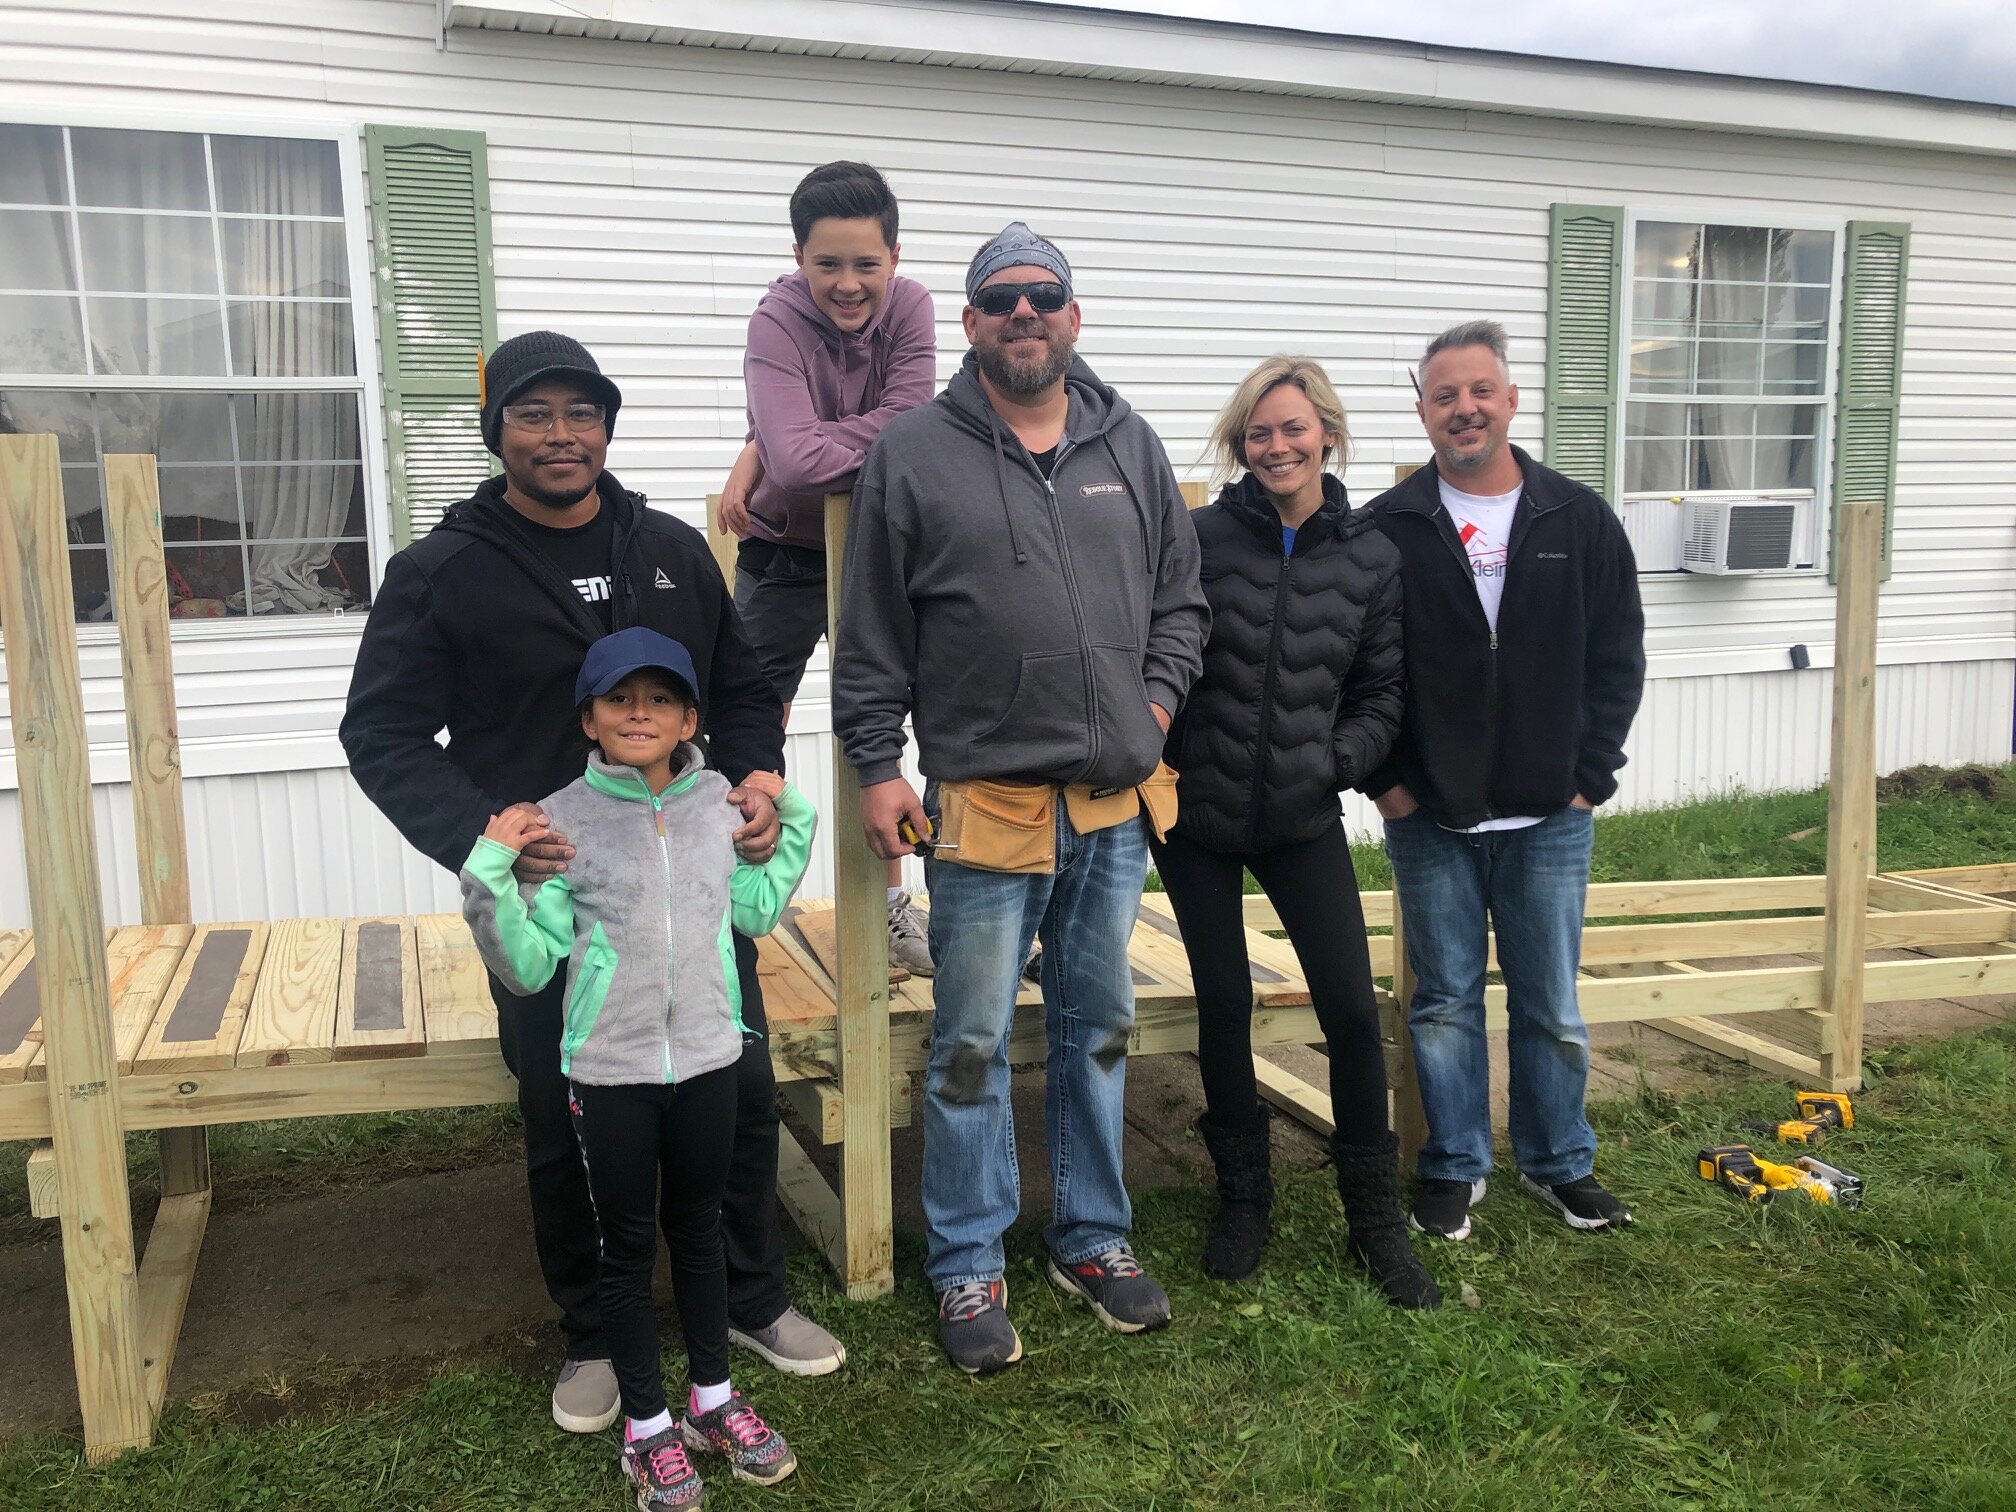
(585, 1398)
(974, 1329)
(794, 1344)
(909, 942)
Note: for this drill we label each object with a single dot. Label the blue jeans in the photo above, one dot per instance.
(1532, 883)
(981, 926)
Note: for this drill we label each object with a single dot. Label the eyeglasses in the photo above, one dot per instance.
(1001, 299)
(537, 419)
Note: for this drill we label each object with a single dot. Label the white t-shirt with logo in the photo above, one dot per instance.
(1484, 526)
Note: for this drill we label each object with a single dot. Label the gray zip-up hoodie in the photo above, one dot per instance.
(640, 919)
(1026, 625)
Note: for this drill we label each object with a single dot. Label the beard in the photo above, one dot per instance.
(551, 498)
(1469, 462)
(1025, 377)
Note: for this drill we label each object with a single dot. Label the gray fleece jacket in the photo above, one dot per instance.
(1025, 624)
(640, 920)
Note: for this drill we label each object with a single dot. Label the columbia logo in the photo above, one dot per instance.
(1553, 556)
(659, 580)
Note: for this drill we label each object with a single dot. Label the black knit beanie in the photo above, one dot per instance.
(522, 361)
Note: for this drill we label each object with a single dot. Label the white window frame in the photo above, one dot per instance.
(1712, 213)
(348, 135)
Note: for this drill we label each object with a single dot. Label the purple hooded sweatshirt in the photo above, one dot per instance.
(818, 397)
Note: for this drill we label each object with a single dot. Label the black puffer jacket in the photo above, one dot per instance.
(1301, 690)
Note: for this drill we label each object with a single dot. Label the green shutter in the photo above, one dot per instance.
(1585, 294)
(1872, 368)
(437, 312)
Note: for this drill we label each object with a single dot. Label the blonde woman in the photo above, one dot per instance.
(1299, 698)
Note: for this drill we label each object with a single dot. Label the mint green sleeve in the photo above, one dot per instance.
(522, 946)
(757, 895)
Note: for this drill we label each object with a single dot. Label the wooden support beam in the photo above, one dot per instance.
(1609, 900)
(53, 762)
(1990, 877)
(44, 1200)
(720, 542)
(1740, 1045)
(862, 1000)
(1295, 1097)
(1410, 1118)
(1851, 784)
(819, 1105)
(813, 1205)
(165, 1278)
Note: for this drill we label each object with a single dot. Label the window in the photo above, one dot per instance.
(189, 295)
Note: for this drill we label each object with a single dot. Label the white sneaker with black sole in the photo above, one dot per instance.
(1442, 1208)
(1582, 1204)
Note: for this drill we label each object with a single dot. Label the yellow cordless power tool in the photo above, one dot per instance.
(1738, 1168)
(1818, 1112)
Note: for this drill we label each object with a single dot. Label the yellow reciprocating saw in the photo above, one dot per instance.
(1738, 1168)
(1818, 1113)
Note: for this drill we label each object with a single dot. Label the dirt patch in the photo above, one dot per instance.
(1989, 783)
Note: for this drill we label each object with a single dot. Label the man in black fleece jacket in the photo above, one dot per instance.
(480, 628)
(1525, 658)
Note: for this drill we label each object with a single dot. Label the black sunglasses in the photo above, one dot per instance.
(1001, 299)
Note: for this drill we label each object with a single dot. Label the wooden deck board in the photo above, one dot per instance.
(790, 995)
(378, 1008)
(20, 1016)
(202, 1016)
(455, 1002)
(292, 1021)
(144, 961)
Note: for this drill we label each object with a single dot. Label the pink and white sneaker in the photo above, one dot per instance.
(754, 1450)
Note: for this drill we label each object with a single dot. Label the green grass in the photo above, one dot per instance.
(1715, 1356)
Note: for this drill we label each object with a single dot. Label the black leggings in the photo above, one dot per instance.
(658, 1156)
(1315, 891)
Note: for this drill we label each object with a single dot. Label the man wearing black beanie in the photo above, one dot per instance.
(479, 628)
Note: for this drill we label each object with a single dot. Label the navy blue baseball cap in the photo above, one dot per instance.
(615, 657)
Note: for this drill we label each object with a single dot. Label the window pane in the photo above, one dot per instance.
(1729, 367)
(349, 573)
(1722, 419)
(273, 340)
(148, 254)
(1724, 463)
(1802, 256)
(1659, 366)
(267, 176)
(1734, 252)
(31, 165)
(83, 505)
(1793, 369)
(157, 336)
(1655, 421)
(1666, 250)
(301, 502)
(91, 583)
(1731, 310)
(303, 427)
(1661, 301)
(202, 580)
(1658, 467)
(40, 412)
(172, 427)
(40, 333)
(285, 257)
(199, 504)
(36, 246)
(142, 170)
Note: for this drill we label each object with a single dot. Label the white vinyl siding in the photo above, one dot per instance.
(638, 202)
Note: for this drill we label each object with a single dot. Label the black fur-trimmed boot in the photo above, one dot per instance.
(1368, 1181)
(1245, 1197)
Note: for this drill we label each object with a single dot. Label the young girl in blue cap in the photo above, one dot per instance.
(640, 921)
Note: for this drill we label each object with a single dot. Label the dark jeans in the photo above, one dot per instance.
(658, 1156)
(563, 1220)
(1315, 891)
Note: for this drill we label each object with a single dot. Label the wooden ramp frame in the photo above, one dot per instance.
(172, 1026)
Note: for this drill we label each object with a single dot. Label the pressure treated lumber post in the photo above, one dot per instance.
(1410, 1118)
(724, 545)
(153, 743)
(1851, 788)
(861, 985)
(38, 619)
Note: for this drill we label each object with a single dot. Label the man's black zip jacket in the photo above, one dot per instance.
(1520, 721)
(476, 630)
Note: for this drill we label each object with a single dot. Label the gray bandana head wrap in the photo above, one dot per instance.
(1016, 247)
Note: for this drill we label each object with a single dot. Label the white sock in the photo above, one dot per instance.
(643, 1428)
(707, 1398)
(894, 894)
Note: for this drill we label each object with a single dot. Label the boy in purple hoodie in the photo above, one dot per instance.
(836, 350)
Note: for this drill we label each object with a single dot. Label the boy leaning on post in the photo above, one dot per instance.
(836, 349)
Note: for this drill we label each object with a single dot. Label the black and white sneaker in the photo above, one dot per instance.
(1442, 1208)
(1582, 1204)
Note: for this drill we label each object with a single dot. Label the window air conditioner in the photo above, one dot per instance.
(1730, 536)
